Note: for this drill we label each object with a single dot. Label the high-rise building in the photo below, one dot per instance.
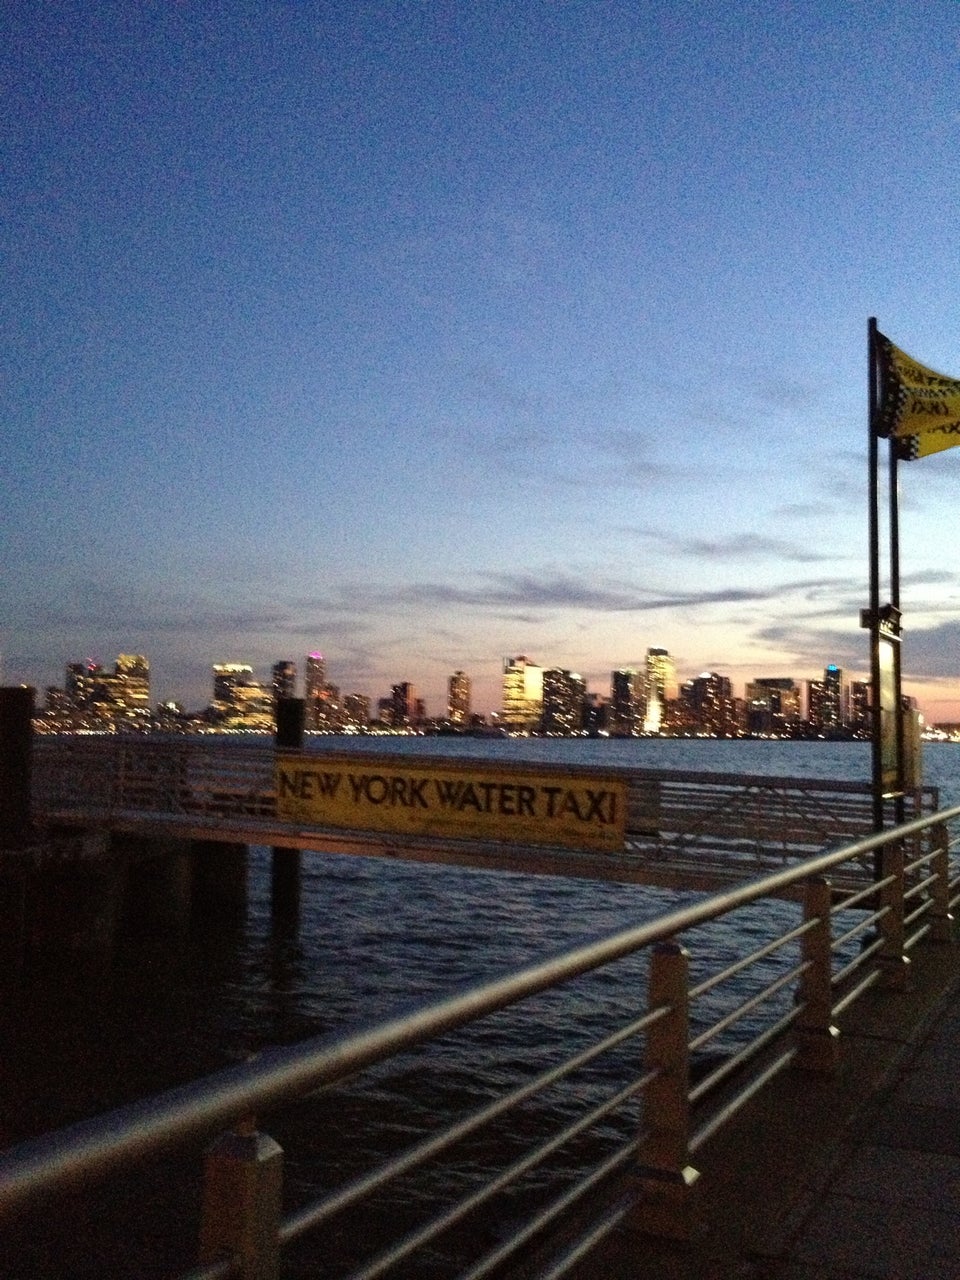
(710, 705)
(773, 705)
(860, 720)
(239, 701)
(563, 702)
(132, 681)
(815, 700)
(406, 709)
(626, 703)
(120, 696)
(827, 702)
(458, 699)
(329, 711)
(834, 698)
(228, 677)
(522, 694)
(79, 681)
(596, 714)
(315, 691)
(660, 681)
(284, 681)
(356, 711)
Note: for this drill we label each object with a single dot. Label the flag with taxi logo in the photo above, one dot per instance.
(917, 406)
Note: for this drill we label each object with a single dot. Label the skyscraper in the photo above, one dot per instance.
(356, 711)
(79, 681)
(660, 680)
(563, 701)
(522, 693)
(132, 675)
(284, 679)
(709, 700)
(315, 690)
(458, 700)
(239, 701)
(228, 677)
(834, 698)
(626, 703)
(122, 695)
(827, 701)
(773, 705)
(405, 708)
(859, 716)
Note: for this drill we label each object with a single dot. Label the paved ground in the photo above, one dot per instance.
(849, 1179)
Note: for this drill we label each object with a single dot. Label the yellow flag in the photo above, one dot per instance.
(919, 407)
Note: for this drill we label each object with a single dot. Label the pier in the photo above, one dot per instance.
(685, 830)
(702, 1161)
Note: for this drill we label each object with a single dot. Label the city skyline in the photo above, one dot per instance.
(443, 333)
(655, 674)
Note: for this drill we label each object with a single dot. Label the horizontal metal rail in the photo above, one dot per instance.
(78, 1157)
(683, 828)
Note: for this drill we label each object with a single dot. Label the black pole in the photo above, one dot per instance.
(873, 617)
(285, 863)
(899, 807)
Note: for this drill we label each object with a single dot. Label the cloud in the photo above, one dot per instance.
(804, 510)
(927, 577)
(741, 546)
(562, 591)
(934, 651)
(848, 648)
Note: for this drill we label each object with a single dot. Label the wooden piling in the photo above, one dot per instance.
(16, 746)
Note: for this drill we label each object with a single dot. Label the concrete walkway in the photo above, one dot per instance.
(846, 1179)
(891, 1205)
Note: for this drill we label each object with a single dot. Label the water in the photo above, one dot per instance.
(375, 936)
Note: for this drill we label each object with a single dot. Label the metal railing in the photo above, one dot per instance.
(688, 1058)
(685, 820)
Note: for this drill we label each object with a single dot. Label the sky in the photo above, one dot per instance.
(424, 335)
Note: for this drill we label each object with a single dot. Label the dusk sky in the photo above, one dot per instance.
(427, 334)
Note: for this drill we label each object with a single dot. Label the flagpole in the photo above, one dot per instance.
(899, 802)
(873, 618)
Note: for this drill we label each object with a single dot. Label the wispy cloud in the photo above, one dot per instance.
(736, 547)
(934, 651)
(928, 578)
(564, 591)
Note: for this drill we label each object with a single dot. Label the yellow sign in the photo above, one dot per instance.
(918, 406)
(456, 799)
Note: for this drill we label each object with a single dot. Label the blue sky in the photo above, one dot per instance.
(424, 334)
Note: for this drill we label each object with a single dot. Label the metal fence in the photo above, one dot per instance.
(815, 958)
(679, 824)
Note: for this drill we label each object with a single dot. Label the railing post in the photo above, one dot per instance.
(16, 761)
(666, 1200)
(240, 1217)
(941, 924)
(817, 1039)
(894, 961)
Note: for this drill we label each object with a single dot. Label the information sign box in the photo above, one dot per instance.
(469, 801)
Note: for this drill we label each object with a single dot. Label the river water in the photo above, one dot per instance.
(374, 936)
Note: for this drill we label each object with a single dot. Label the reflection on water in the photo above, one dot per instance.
(375, 936)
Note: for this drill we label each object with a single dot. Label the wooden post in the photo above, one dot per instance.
(285, 863)
(240, 1218)
(816, 1036)
(666, 1201)
(16, 749)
